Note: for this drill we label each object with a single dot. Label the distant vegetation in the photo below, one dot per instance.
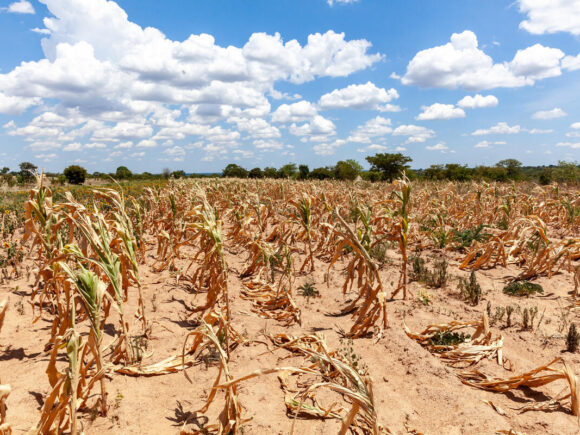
(383, 167)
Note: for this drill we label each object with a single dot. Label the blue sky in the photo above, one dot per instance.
(198, 84)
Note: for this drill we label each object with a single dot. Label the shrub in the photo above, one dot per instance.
(449, 338)
(75, 174)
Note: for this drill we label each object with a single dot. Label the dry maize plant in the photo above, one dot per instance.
(459, 349)
(369, 305)
(204, 227)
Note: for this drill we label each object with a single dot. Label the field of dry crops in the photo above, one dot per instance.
(230, 306)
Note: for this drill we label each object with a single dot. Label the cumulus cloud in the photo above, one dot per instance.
(439, 147)
(328, 148)
(416, 133)
(478, 101)
(575, 125)
(550, 16)
(487, 144)
(461, 64)
(499, 128)
(316, 130)
(296, 112)
(371, 130)
(20, 7)
(440, 111)
(128, 83)
(549, 114)
(363, 97)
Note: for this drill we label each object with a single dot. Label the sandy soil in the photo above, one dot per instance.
(414, 390)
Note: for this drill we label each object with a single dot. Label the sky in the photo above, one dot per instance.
(196, 84)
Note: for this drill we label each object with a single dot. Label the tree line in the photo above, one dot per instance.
(383, 167)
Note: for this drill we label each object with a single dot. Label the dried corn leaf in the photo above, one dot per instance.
(534, 378)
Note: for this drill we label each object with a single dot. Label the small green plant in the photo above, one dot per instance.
(528, 318)
(379, 252)
(522, 288)
(470, 289)
(498, 316)
(346, 353)
(418, 269)
(308, 290)
(465, 238)
(118, 399)
(509, 311)
(424, 297)
(449, 338)
(435, 278)
(572, 339)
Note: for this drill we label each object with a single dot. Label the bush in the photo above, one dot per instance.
(75, 174)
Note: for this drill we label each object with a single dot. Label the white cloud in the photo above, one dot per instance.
(342, 2)
(73, 147)
(499, 128)
(370, 130)
(319, 126)
(575, 125)
(438, 147)
(129, 83)
(296, 112)
(374, 148)
(487, 144)
(40, 31)
(539, 131)
(327, 149)
(549, 114)
(21, 7)
(268, 145)
(363, 97)
(461, 64)
(11, 105)
(550, 16)
(176, 151)
(146, 143)
(46, 157)
(440, 111)
(574, 146)
(416, 133)
(571, 63)
(477, 101)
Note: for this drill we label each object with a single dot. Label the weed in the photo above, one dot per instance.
(572, 339)
(470, 289)
(346, 352)
(522, 288)
(509, 311)
(308, 290)
(449, 338)
(465, 238)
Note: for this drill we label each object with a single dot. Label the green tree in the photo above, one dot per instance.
(347, 170)
(75, 174)
(513, 168)
(178, 174)
(123, 173)
(5, 170)
(256, 173)
(304, 170)
(234, 171)
(27, 170)
(567, 171)
(456, 172)
(288, 171)
(391, 165)
(321, 173)
(270, 172)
